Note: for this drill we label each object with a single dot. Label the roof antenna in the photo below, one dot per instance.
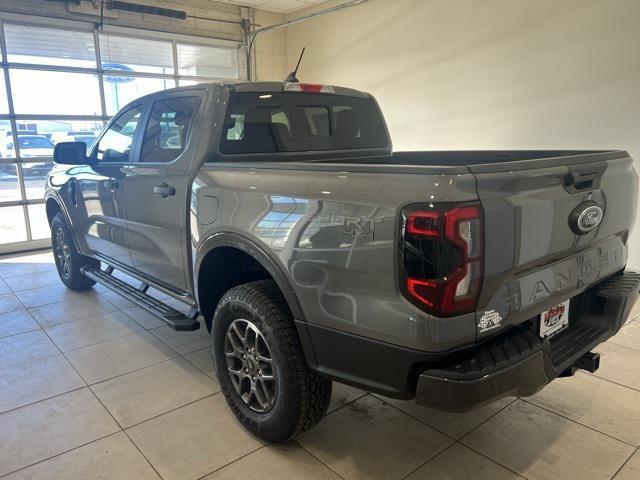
(292, 75)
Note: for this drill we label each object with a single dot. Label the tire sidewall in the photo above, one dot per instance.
(59, 223)
(76, 280)
(286, 406)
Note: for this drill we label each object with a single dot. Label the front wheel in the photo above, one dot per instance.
(260, 365)
(68, 260)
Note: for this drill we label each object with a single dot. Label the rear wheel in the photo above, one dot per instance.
(260, 365)
(68, 260)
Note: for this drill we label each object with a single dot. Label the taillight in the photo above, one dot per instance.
(441, 257)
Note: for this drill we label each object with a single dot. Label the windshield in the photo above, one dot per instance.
(295, 122)
(34, 141)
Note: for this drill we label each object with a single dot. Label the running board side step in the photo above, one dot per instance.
(172, 317)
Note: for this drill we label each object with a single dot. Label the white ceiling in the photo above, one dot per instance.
(279, 6)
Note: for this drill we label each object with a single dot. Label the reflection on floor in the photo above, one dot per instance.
(93, 387)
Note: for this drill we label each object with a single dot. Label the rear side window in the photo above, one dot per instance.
(295, 122)
(168, 128)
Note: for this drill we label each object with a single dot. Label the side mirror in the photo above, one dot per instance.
(70, 153)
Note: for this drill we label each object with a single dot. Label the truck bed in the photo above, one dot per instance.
(488, 159)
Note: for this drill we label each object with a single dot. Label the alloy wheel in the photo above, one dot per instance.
(250, 365)
(63, 253)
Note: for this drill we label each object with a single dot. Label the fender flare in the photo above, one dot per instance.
(270, 264)
(65, 213)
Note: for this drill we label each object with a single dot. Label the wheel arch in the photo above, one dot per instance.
(216, 249)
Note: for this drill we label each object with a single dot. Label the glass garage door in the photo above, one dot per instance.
(63, 84)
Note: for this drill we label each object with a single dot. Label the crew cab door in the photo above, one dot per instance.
(100, 187)
(155, 190)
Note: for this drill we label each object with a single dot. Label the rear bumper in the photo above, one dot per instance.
(520, 362)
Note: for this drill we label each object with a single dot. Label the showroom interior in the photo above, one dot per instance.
(94, 386)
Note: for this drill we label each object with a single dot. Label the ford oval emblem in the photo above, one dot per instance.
(585, 217)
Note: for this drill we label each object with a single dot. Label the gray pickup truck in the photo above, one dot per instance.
(279, 216)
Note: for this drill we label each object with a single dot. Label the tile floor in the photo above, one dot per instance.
(93, 387)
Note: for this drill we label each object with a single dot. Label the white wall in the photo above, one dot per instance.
(487, 74)
(270, 48)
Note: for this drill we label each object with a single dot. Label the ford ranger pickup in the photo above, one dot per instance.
(278, 216)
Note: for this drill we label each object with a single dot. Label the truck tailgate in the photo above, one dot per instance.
(536, 254)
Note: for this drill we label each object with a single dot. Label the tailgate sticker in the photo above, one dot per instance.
(489, 320)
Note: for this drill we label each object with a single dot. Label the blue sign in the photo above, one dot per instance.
(117, 78)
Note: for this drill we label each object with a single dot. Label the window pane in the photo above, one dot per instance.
(38, 221)
(37, 138)
(64, 94)
(49, 46)
(35, 175)
(168, 129)
(117, 95)
(188, 83)
(115, 144)
(4, 104)
(34, 145)
(12, 226)
(6, 140)
(124, 54)
(9, 188)
(196, 60)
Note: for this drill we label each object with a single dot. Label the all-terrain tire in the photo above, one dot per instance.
(301, 396)
(68, 260)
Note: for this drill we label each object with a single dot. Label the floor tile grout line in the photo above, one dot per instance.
(611, 340)
(625, 463)
(613, 382)
(415, 418)
(80, 296)
(506, 467)
(459, 441)
(20, 333)
(346, 404)
(124, 431)
(177, 355)
(234, 460)
(169, 411)
(61, 453)
(46, 398)
(443, 432)
(215, 379)
(295, 440)
(76, 370)
(143, 455)
(626, 347)
(593, 429)
(488, 418)
(451, 445)
(101, 341)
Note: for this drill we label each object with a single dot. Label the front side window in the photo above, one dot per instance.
(294, 122)
(168, 128)
(116, 143)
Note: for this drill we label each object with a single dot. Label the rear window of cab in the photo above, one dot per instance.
(298, 122)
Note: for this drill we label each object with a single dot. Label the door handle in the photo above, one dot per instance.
(164, 190)
(111, 184)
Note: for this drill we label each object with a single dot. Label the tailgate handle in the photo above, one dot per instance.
(584, 177)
